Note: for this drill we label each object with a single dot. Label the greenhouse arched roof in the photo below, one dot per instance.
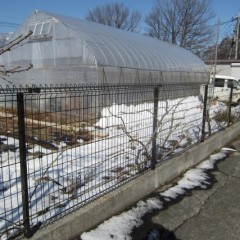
(112, 47)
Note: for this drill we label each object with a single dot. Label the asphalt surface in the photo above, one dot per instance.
(202, 214)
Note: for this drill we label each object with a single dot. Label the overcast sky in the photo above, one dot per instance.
(16, 11)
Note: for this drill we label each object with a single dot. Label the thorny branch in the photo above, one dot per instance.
(161, 122)
(5, 71)
(14, 42)
(145, 147)
(14, 70)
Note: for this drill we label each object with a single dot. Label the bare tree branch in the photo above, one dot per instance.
(14, 42)
(184, 22)
(115, 15)
(4, 71)
(14, 70)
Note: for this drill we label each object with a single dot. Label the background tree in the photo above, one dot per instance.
(225, 48)
(116, 15)
(184, 22)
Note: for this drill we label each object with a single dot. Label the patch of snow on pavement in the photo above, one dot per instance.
(120, 227)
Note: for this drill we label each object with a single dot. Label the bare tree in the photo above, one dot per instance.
(184, 22)
(116, 15)
(225, 50)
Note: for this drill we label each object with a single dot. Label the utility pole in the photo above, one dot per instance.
(216, 49)
(237, 37)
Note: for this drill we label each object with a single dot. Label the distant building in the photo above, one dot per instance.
(226, 67)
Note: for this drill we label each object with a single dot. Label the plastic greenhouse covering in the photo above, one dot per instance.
(66, 50)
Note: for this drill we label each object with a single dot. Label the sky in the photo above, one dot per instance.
(16, 11)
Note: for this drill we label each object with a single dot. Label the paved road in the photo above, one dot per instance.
(208, 214)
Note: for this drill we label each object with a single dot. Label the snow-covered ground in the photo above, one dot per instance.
(63, 179)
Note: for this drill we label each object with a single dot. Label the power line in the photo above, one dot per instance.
(222, 23)
(9, 24)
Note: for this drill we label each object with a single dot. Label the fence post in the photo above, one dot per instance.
(23, 163)
(230, 106)
(154, 137)
(204, 112)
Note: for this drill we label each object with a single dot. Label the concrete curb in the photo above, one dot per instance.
(87, 217)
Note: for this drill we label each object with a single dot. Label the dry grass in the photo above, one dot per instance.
(44, 128)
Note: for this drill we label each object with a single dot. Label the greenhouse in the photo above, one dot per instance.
(67, 50)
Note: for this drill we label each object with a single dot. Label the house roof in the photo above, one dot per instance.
(222, 61)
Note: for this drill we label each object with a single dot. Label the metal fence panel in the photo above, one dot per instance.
(79, 142)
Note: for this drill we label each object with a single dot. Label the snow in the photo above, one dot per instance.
(61, 180)
(229, 149)
(121, 226)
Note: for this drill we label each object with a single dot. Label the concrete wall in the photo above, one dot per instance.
(118, 200)
(235, 69)
(224, 69)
